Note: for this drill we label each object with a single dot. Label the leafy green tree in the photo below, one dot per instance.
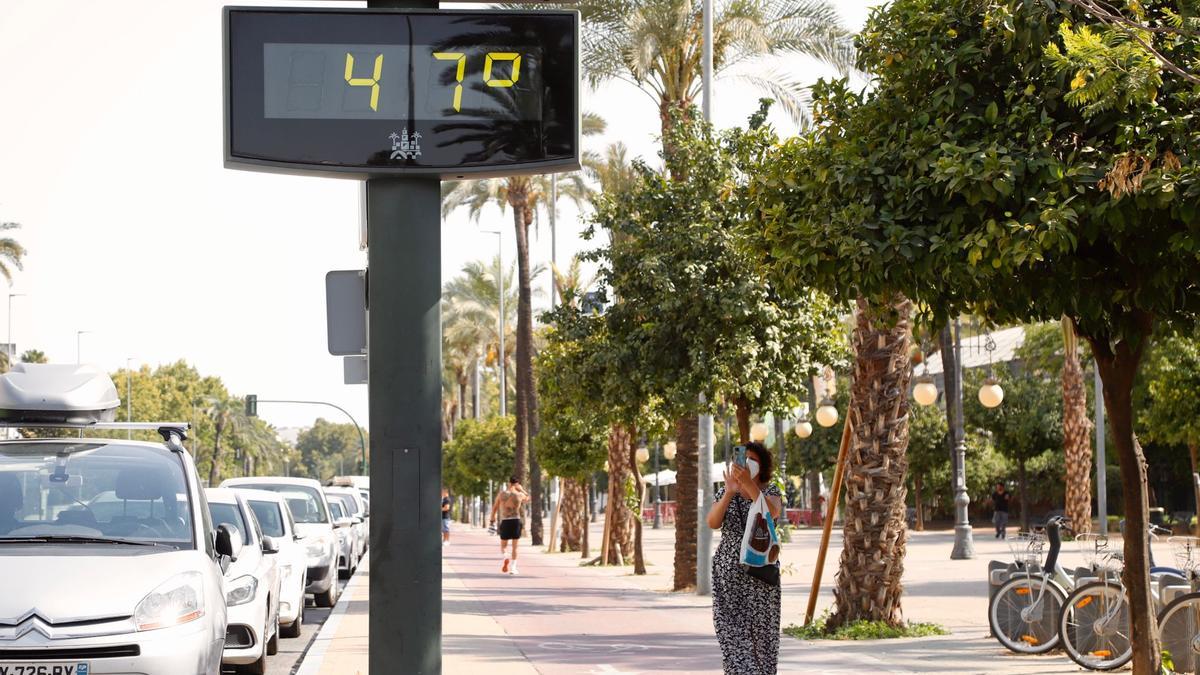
(34, 356)
(483, 451)
(692, 316)
(327, 448)
(1173, 411)
(927, 456)
(968, 181)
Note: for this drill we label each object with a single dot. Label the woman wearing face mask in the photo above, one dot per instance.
(745, 608)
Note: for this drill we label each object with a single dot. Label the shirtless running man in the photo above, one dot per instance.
(508, 507)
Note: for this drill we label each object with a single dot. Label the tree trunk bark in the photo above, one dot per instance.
(524, 336)
(584, 548)
(1192, 452)
(875, 534)
(572, 511)
(462, 397)
(537, 491)
(1021, 476)
(214, 470)
(687, 480)
(639, 560)
(919, 526)
(814, 490)
(1077, 435)
(742, 411)
(620, 530)
(1118, 368)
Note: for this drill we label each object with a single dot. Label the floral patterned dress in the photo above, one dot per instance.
(745, 610)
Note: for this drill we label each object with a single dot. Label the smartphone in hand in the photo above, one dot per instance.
(739, 455)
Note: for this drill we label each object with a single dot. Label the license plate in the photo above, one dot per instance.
(18, 668)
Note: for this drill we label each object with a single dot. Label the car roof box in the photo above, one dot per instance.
(55, 393)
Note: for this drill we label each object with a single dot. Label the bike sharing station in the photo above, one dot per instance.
(402, 95)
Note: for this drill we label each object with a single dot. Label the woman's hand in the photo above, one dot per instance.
(740, 477)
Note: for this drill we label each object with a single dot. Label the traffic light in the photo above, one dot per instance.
(251, 405)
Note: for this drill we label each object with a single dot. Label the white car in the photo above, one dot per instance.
(109, 562)
(275, 519)
(347, 549)
(251, 586)
(310, 510)
(356, 509)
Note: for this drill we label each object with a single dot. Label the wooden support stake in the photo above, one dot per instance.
(835, 494)
(554, 524)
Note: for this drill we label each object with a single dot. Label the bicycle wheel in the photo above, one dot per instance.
(1024, 614)
(1179, 624)
(1095, 626)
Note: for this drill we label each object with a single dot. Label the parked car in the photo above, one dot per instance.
(275, 519)
(88, 587)
(251, 588)
(310, 510)
(344, 527)
(356, 509)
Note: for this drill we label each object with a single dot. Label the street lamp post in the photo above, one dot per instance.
(500, 285)
(657, 480)
(79, 344)
(964, 543)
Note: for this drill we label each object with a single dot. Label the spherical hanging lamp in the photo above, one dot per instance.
(669, 450)
(758, 432)
(925, 392)
(803, 428)
(827, 414)
(991, 394)
(643, 454)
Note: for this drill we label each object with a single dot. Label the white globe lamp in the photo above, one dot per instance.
(758, 432)
(827, 414)
(669, 450)
(991, 394)
(804, 429)
(642, 454)
(925, 392)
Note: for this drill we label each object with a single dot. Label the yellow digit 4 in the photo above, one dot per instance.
(458, 73)
(372, 82)
(501, 57)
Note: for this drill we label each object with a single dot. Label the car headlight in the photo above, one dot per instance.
(177, 601)
(241, 591)
(318, 550)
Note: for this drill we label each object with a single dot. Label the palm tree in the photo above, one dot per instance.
(11, 252)
(612, 170)
(1077, 430)
(656, 45)
(227, 415)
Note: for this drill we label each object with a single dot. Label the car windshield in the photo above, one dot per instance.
(304, 502)
(336, 509)
(231, 515)
(269, 517)
(91, 490)
(351, 504)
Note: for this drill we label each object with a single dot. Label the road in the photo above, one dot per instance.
(292, 650)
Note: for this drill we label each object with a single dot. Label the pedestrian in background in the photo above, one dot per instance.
(445, 517)
(508, 506)
(999, 500)
(746, 609)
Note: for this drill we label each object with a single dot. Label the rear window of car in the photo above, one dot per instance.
(305, 503)
(269, 517)
(231, 515)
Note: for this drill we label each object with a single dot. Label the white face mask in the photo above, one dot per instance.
(752, 465)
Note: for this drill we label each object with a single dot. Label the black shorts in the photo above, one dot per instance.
(510, 529)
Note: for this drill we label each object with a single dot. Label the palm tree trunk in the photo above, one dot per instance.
(573, 515)
(214, 470)
(525, 319)
(620, 530)
(1077, 435)
(1118, 365)
(584, 549)
(1021, 478)
(875, 533)
(521, 457)
(687, 479)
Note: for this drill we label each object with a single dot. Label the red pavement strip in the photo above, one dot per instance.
(568, 619)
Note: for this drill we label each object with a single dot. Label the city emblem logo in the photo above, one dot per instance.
(405, 146)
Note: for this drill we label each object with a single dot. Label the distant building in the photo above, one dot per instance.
(975, 355)
(290, 435)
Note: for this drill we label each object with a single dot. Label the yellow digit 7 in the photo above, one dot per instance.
(458, 74)
(372, 82)
(501, 57)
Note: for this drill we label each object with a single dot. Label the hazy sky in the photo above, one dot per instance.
(111, 158)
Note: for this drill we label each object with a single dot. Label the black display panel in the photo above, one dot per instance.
(396, 92)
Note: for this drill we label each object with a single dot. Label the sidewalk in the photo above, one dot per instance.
(557, 617)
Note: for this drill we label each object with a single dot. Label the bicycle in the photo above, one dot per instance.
(1094, 624)
(1179, 620)
(1024, 612)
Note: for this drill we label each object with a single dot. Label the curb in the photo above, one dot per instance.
(314, 656)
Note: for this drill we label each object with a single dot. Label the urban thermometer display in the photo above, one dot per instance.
(401, 92)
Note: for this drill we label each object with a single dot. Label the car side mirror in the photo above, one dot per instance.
(228, 543)
(297, 537)
(358, 520)
(269, 545)
(342, 523)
